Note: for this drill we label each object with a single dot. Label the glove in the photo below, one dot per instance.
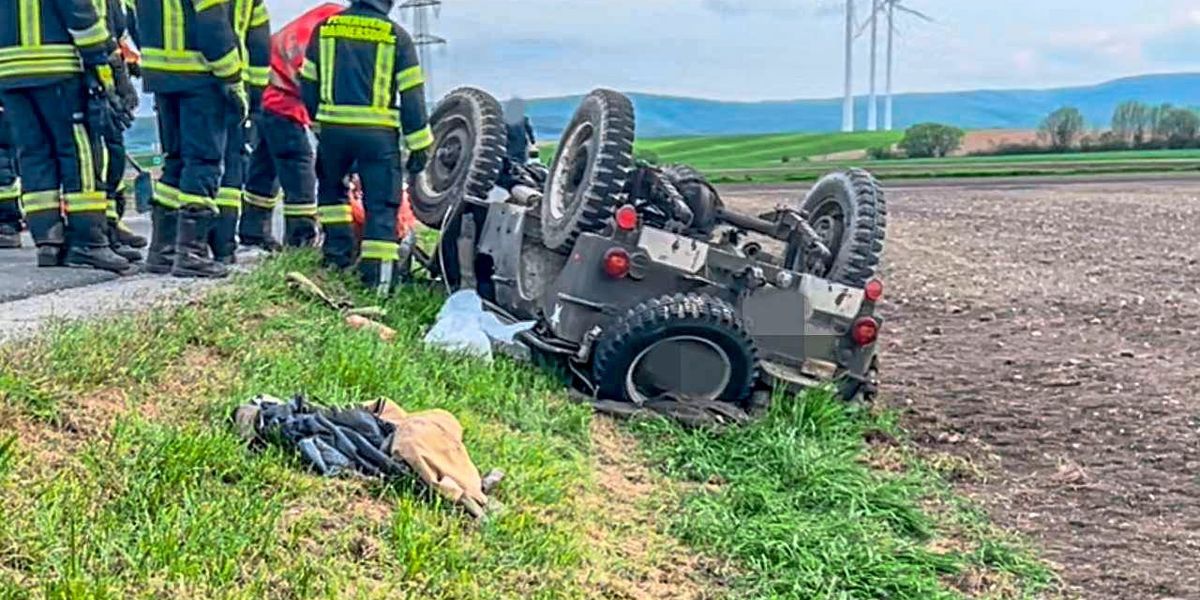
(98, 79)
(235, 94)
(417, 159)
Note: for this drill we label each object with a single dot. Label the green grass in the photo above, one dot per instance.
(120, 477)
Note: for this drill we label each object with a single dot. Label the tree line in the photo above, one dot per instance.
(1134, 125)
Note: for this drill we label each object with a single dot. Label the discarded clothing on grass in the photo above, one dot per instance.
(377, 439)
(464, 326)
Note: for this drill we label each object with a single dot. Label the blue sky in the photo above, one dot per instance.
(773, 49)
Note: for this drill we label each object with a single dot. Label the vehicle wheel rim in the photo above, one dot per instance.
(689, 366)
(828, 221)
(570, 170)
(451, 156)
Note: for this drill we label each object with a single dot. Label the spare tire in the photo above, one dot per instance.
(469, 146)
(699, 194)
(686, 346)
(849, 213)
(594, 159)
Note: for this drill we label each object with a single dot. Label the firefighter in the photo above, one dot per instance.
(356, 64)
(10, 191)
(53, 59)
(252, 27)
(283, 157)
(121, 239)
(192, 62)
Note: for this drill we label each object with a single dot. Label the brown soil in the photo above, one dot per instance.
(1048, 336)
(990, 139)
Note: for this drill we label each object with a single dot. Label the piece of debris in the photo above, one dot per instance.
(384, 332)
(378, 439)
(464, 326)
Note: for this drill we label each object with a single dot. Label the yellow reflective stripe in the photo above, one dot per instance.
(259, 16)
(338, 214)
(83, 147)
(175, 61)
(203, 5)
(48, 51)
(328, 49)
(258, 76)
(31, 22)
(101, 8)
(358, 115)
(229, 198)
(299, 210)
(10, 192)
(186, 199)
(39, 67)
(40, 201)
(173, 35)
(228, 65)
(409, 78)
(420, 139)
(85, 202)
(91, 36)
(308, 70)
(110, 209)
(377, 250)
(166, 195)
(260, 201)
(385, 61)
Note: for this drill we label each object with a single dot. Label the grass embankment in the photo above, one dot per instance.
(120, 477)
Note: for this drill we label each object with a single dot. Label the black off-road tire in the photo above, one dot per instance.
(594, 160)
(693, 315)
(470, 143)
(699, 194)
(859, 198)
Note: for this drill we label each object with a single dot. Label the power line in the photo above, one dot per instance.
(424, 13)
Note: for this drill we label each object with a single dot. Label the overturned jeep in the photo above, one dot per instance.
(640, 277)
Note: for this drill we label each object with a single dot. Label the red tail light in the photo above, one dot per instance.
(627, 218)
(865, 331)
(616, 263)
(874, 290)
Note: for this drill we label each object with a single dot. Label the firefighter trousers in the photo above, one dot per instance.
(54, 150)
(193, 130)
(282, 158)
(10, 187)
(374, 153)
(112, 172)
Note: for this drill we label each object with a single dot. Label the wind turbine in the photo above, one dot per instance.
(891, 7)
(848, 103)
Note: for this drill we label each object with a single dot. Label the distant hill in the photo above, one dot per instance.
(666, 116)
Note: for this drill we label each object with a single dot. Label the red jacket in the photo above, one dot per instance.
(282, 95)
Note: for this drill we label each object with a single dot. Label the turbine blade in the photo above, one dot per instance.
(916, 13)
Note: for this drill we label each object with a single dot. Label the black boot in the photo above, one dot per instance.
(87, 245)
(10, 236)
(122, 249)
(255, 228)
(46, 227)
(300, 232)
(126, 236)
(165, 223)
(191, 245)
(222, 236)
(379, 276)
(338, 250)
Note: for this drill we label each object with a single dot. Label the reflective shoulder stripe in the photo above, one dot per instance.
(409, 78)
(258, 76)
(308, 70)
(420, 139)
(338, 214)
(31, 22)
(203, 5)
(96, 34)
(367, 116)
(260, 16)
(385, 61)
(328, 54)
(380, 250)
(228, 65)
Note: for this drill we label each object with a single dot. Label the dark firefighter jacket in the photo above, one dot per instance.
(187, 43)
(356, 64)
(44, 41)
